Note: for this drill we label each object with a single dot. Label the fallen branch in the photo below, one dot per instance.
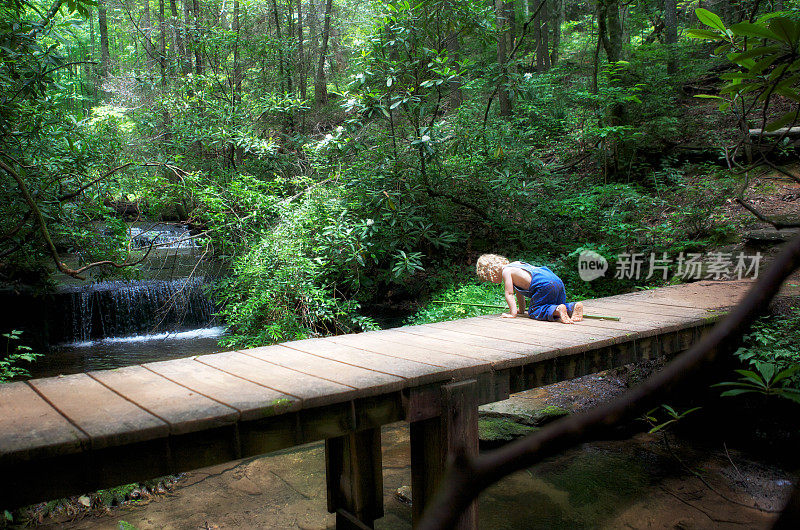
(467, 476)
(763, 217)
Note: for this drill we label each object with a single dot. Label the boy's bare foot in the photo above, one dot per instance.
(577, 312)
(561, 314)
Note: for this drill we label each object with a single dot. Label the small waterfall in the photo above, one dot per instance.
(130, 308)
(165, 236)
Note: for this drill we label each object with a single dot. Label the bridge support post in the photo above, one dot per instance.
(435, 439)
(354, 475)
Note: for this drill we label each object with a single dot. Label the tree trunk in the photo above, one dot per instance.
(281, 75)
(198, 59)
(545, 17)
(102, 23)
(671, 32)
(541, 48)
(502, 93)
(610, 28)
(146, 31)
(454, 52)
(511, 22)
(557, 20)
(301, 57)
(237, 67)
(289, 35)
(162, 42)
(320, 84)
(177, 36)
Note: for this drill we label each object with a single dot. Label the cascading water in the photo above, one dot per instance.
(118, 323)
(161, 235)
(124, 309)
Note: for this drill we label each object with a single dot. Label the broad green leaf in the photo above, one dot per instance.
(763, 64)
(784, 374)
(659, 427)
(729, 393)
(765, 17)
(731, 76)
(786, 30)
(704, 34)
(709, 19)
(747, 29)
(708, 96)
(789, 117)
(767, 371)
(757, 51)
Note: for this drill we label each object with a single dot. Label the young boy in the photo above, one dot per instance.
(545, 289)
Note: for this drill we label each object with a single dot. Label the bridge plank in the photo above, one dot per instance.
(251, 400)
(448, 355)
(106, 417)
(364, 379)
(184, 410)
(432, 340)
(311, 389)
(702, 295)
(542, 328)
(412, 371)
(490, 345)
(538, 333)
(31, 428)
(637, 306)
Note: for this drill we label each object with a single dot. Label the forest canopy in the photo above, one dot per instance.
(341, 155)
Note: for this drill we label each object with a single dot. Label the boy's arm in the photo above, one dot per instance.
(508, 283)
(520, 303)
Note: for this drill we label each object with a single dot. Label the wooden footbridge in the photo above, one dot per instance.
(78, 433)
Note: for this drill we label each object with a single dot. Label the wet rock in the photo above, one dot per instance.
(403, 494)
(523, 411)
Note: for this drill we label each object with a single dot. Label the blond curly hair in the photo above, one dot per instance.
(490, 266)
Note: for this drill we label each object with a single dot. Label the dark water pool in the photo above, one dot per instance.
(125, 351)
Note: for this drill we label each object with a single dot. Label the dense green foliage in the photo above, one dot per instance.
(437, 130)
(773, 343)
(16, 355)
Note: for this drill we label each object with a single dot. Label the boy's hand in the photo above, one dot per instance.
(508, 315)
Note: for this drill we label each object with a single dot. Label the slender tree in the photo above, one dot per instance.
(146, 29)
(671, 32)
(102, 24)
(198, 58)
(557, 19)
(301, 56)
(281, 72)
(502, 95)
(177, 34)
(162, 44)
(320, 83)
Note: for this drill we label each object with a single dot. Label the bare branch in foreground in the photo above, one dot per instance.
(467, 477)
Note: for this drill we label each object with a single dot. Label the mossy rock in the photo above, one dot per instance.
(501, 429)
(548, 414)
